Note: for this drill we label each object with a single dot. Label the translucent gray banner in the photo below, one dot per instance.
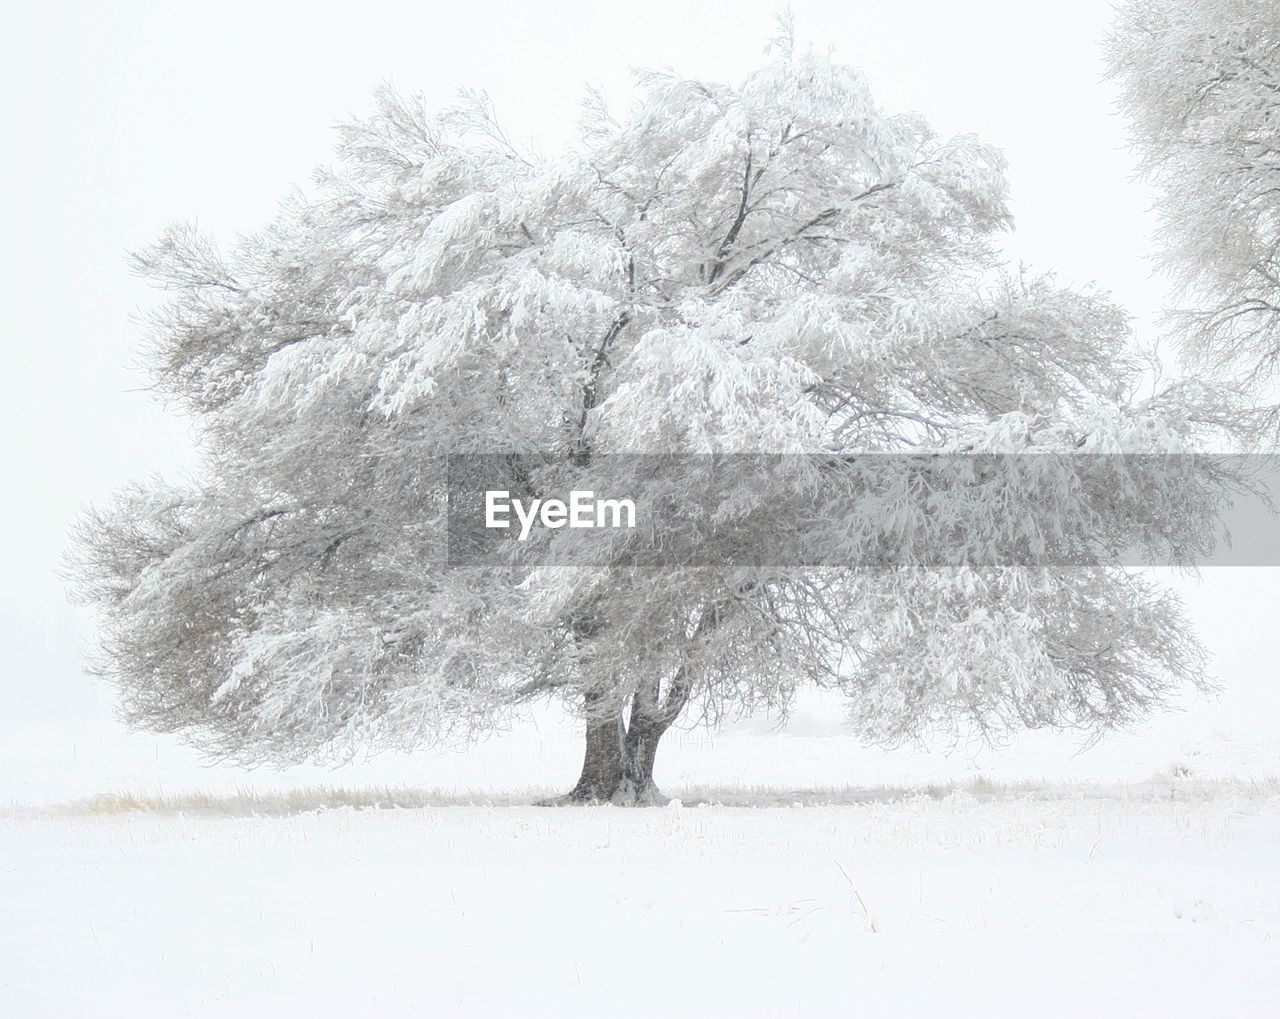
(862, 511)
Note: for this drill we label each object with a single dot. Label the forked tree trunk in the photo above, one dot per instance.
(617, 766)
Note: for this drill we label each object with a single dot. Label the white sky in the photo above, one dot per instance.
(122, 117)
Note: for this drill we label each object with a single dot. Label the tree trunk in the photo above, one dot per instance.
(617, 766)
(639, 748)
(602, 761)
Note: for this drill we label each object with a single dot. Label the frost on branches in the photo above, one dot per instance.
(1200, 83)
(777, 267)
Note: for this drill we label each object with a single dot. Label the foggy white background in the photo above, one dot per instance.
(121, 118)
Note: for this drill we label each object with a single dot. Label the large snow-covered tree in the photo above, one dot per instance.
(1200, 83)
(778, 267)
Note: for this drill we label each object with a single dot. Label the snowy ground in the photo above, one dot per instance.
(1067, 907)
(1139, 878)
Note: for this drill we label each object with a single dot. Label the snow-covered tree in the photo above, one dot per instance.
(1200, 84)
(779, 267)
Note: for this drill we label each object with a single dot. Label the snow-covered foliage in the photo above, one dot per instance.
(1200, 83)
(777, 267)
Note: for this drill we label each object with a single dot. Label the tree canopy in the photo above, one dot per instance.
(1200, 83)
(777, 267)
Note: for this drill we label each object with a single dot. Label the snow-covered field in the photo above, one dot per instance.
(1073, 906)
(1138, 878)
